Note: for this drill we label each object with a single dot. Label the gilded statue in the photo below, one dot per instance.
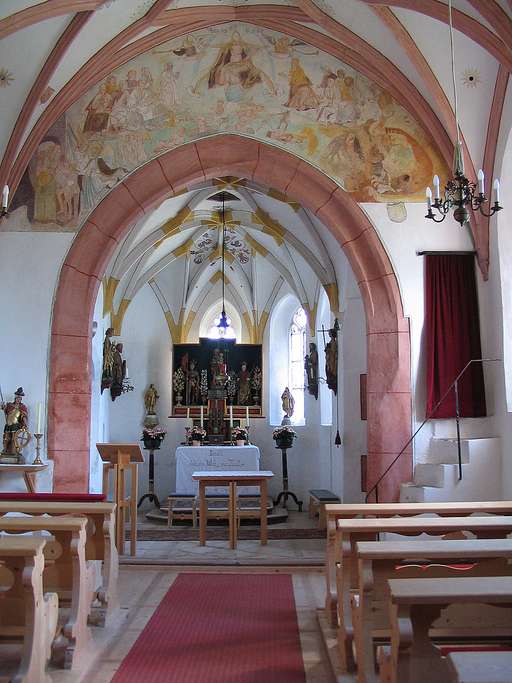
(16, 418)
(150, 398)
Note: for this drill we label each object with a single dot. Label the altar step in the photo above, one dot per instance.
(275, 515)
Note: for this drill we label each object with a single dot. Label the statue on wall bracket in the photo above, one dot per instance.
(311, 368)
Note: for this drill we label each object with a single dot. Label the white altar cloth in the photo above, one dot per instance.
(191, 459)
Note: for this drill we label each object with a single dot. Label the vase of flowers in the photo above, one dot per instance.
(153, 437)
(195, 435)
(239, 435)
(284, 436)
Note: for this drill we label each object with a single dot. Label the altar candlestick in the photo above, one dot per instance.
(201, 417)
(246, 416)
(38, 411)
(5, 196)
(231, 416)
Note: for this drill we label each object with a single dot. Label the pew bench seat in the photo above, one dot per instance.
(66, 573)
(480, 667)
(100, 543)
(318, 499)
(27, 613)
(416, 603)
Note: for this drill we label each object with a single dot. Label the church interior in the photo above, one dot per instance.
(257, 385)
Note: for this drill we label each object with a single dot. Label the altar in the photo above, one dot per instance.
(190, 459)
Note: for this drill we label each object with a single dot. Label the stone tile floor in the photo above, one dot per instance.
(280, 552)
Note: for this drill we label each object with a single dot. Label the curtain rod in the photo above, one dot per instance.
(445, 253)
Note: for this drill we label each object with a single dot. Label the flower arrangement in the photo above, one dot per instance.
(239, 433)
(196, 433)
(284, 432)
(155, 432)
(256, 379)
(178, 382)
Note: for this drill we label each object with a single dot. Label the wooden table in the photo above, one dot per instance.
(232, 480)
(28, 471)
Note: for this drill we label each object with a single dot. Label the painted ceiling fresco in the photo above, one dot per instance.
(233, 78)
(211, 239)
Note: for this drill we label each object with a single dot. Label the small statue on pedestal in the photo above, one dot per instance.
(150, 398)
(288, 404)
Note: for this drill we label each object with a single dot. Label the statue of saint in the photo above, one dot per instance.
(218, 369)
(244, 386)
(118, 371)
(311, 367)
(193, 381)
(288, 402)
(16, 417)
(108, 360)
(331, 361)
(150, 398)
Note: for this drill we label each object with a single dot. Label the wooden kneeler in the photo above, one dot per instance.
(25, 611)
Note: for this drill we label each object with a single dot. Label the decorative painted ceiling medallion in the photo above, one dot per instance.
(6, 78)
(203, 246)
(471, 78)
(237, 246)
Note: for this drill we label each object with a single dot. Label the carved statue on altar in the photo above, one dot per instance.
(244, 387)
(218, 369)
(193, 384)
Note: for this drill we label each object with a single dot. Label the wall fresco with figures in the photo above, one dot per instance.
(233, 78)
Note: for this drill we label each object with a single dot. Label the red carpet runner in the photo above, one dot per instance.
(220, 628)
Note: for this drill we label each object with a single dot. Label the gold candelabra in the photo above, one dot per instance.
(37, 459)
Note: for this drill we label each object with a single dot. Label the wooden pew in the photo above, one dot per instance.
(417, 603)
(100, 544)
(25, 611)
(379, 561)
(350, 511)
(350, 531)
(480, 667)
(67, 574)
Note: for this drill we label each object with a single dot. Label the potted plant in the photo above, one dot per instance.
(239, 435)
(153, 437)
(196, 435)
(284, 436)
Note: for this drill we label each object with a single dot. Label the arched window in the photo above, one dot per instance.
(216, 332)
(297, 351)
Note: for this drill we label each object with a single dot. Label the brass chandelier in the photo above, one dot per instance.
(460, 193)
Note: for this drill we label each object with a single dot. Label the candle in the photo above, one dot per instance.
(497, 191)
(5, 196)
(246, 416)
(201, 417)
(188, 413)
(127, 376)
(480, 177)
(38, 413)
(429, 198)
(437, 194)
(231, 416)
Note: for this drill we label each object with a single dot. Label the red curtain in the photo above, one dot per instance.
(453, 335)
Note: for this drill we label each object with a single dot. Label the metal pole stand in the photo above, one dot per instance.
(285, 494)
(153, 498)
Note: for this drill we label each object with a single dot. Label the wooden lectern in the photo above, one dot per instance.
(122, 458)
